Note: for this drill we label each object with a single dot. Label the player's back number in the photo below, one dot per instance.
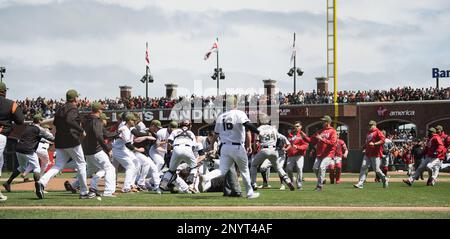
(227, 126)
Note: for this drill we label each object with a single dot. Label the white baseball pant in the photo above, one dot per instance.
(375, 162)
(295, 162)
(44, 158)
(76, 153)
(127, 159)
(260, 158)
(148, 168)
(28, 163)
(230, 154)
(107, 170)
(3, 140)
(320, 168)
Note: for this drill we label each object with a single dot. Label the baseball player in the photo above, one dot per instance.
(296, 151)
(9, 112)
(98, 152)
(159, 149)
(230, 126)
(434, 154)
(372, 155)
(446, 141)
(267, 138)
(42, 151)
(336, 166)
(408, 159)
(282, 145)
(26, 151)
(122, 152)
(143, 139)
(264, 169)
(68, 145)
(182, 141)
(325, 141)
(386, 158)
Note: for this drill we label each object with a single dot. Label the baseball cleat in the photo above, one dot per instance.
(97, 193)
(254, 195)
(291, 186)
(39, 190)
(109, 195)
(89, 195)
(386, 183)
(407, 182)
(7, 187)
(282, 187)
(3, 197)
(338, 181)
(69, 187)
(358, 186)
(318, 189)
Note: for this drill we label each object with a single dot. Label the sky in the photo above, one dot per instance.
(95, 46)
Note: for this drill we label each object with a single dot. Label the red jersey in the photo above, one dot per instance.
(374, 135)
(327, 146)
(407, 157)
(341, 147)
(299, 144)
(445, 139)
(435, 148)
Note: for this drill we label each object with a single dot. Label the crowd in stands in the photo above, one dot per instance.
(48, 106)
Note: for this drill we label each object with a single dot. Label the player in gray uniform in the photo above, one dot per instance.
(182, 141)
(230, 126)
(267, 138)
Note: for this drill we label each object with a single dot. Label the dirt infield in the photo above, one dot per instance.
(234, 208)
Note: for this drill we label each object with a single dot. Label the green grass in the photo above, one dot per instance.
(59, 214)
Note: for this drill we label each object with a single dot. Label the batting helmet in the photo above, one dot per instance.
(186, 123)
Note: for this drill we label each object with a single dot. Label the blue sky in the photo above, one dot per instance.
(50, 46)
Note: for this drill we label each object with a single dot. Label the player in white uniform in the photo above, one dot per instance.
(122, 151)
(42, 151)
(159, 149)
(182, 141)
(267, 138)
(230, 126)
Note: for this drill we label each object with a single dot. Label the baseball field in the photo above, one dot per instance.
(335, 201)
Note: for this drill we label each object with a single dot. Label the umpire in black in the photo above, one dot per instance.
(9, 112)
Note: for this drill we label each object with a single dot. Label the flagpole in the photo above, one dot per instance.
(217, 69)
(146, 75)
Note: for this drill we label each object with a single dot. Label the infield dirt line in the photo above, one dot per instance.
(233, 208)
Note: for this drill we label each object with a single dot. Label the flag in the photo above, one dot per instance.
(214, 48)
(294, 51)
(147, 59)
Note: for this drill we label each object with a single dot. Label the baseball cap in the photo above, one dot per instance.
(372, 122)
(130, 116)
(3, 87)
(96, 106)
(103, 116)
(173, 124)
(72, 94)
(440, 128)
(156, 123)
(326, 118)
(432, 130)
(38, 117)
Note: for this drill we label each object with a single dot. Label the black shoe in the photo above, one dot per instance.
(39, 190)
(89, 195)
(291, 186)
(95, 191)
(7, 187)
(318, 189)
(69, 187)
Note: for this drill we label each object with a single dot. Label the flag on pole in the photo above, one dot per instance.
(294, 51)
(214, 48)
(147, 59)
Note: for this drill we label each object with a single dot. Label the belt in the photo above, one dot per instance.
(233, 143)
(187, 145)
(268, 147)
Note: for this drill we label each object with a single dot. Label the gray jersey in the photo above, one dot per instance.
(268, 135)
(281, 142)
(182, 136)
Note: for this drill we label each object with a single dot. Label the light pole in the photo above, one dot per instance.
(218, 73)
(147, 78)
(294, 71)
(2, 71)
